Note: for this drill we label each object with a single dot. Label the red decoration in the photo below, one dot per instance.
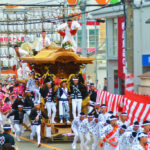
(137, 97)
(102, 2)
(73, 32)
(121, 49)
(57, 81)
(62, 33)
(72, 2)
(14, 67)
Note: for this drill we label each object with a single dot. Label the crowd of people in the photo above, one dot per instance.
(25, 104)
(20, 104)
(109, 132)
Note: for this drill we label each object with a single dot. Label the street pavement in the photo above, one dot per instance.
(27, 144)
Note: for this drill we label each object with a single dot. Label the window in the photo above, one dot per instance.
(92, 41)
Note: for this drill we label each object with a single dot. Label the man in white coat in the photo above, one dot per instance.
(123, 120)
(23, 71)
(109, 135)
(84, 132)
(75, 128)
(69, 29)
(143, 142)
(104, 115)
(43, 42)
(20, 52)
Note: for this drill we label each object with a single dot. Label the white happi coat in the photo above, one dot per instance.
(42, 43)
(120, 123)
(138, 147)
(84, 134)
(94, 128)
(75, 124)
(75, 128)
(23, 53)
(23, 72)
(135, 140)
(106, 130)
(83, 127)
(68, 36)
(126, 141)
(103, 117)
(101, 127)
(130, 129)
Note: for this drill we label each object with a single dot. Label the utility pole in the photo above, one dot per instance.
(129, 36)
(65, 10)
(96, 53)
(84, 35)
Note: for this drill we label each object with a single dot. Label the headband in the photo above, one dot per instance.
(26, 91)
(36, 104)
(142, 135)
(90, 116)
(19, 96)
(145, 124)
(111, 119)
(75, 79)
(50, 82)
(5, 128)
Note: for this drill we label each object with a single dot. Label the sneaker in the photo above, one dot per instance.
(73, 146)
(61, 121)
(53, 122)
(18, 139)
(68, 121)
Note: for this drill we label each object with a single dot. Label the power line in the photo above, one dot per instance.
(49, 5)
(52, 20)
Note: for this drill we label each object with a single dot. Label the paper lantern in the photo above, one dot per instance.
(11, 7)
(72, 2)
(102, 2)
(114, 1)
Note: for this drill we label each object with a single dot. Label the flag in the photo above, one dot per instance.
(129, 82)
(115, 103)
(137, 111)
(137, 106)
(102, 97)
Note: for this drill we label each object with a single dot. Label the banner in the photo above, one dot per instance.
(121, 48)
(11, 39)
(137, 106)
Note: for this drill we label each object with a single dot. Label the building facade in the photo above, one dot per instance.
(141, 33)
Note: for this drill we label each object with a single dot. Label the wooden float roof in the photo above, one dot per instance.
(54, 54)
